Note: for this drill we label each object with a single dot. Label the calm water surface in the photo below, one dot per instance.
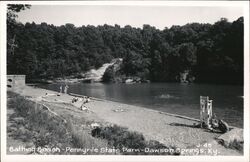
(169, 97)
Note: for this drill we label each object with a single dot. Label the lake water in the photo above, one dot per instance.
(169, 97)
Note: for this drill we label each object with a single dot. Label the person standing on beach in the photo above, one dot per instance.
(66, 89)
(60, 91)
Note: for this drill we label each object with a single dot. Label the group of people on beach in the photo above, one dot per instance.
(84, 100)
(65, 89)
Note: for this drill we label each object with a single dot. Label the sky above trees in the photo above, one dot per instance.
(136, 16)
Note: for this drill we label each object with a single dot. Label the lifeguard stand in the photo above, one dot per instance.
(205, 112)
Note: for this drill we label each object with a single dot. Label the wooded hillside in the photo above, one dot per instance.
(212, 53)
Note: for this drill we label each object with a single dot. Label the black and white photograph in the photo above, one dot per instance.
(120, 79)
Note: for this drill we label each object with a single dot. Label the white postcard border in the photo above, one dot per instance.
(75, 158)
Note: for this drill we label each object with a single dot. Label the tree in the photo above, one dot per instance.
(12, 10)
(188, 56)
(212, 52)
(13, 27)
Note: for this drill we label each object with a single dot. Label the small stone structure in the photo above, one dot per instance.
(205, 112)
(15, 81)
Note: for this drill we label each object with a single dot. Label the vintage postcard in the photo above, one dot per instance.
(124, 81)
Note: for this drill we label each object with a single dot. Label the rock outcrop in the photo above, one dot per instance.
(232, 137)
(95, 75)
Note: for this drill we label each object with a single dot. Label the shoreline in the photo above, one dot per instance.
(148, 109)
(169, 129)
(219, 106)
(71, 79)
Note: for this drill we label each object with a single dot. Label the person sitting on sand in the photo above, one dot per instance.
(84, 108)
(80, 99)
(75, 99)
(87, 100)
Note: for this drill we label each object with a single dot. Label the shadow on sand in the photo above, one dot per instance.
(185, 125)
(198, 126)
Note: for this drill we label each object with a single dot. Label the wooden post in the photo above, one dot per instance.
(205, 111)
(209, 114)
(203, 101)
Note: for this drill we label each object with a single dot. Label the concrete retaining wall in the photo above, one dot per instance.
(15, 81)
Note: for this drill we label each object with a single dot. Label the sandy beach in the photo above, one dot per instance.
(169, 129)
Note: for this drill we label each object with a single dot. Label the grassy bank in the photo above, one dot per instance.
(130, 142)
(37, 125)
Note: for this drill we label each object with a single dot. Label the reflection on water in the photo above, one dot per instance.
(169, 97)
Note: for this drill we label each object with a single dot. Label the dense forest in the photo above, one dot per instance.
(210, 53)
